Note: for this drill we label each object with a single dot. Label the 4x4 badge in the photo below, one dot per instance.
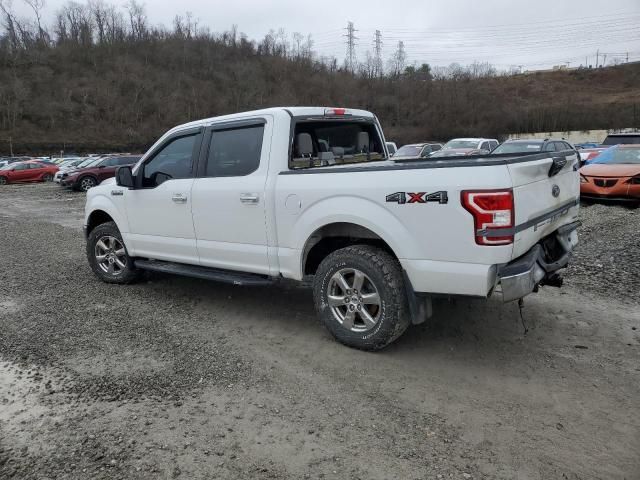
(418, 197)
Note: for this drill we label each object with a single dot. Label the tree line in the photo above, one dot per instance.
(103, 77)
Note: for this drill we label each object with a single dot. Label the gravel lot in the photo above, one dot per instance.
(179, 378)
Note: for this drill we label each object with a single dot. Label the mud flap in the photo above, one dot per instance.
(420, 306)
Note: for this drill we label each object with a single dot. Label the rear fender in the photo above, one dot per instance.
(358, 211)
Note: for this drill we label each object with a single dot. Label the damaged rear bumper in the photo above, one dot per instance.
(538, 266)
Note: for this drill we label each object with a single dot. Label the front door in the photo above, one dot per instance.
(229, 204)
(159, 208)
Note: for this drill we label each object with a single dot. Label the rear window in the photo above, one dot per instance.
(408, 151)
(621, 139)
(461, 144)
(518, 147)
(335, 142)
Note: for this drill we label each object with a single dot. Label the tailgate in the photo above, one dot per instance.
(544, 200)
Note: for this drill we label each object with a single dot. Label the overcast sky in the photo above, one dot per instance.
(536, 33)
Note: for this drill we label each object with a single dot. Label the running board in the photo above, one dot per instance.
(205, 273)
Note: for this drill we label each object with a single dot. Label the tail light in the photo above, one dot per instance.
(493, 213)
(335, 111)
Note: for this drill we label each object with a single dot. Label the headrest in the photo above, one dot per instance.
(304, 145)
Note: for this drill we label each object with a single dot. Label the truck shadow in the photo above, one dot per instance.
(287, 311)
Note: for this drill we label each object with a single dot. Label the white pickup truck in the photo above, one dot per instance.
(311, 194)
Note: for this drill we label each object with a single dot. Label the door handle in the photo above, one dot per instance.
(249, 198)
(179, 198)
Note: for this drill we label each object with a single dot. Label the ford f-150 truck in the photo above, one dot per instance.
(310, 194)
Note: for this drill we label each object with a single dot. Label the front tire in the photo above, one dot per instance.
(108, 256)
(360, 298)
(86, 183)
(47, 177)
(3, 180)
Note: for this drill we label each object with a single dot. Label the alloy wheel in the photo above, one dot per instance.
(354, 300)
(87, 183)
(110, 255)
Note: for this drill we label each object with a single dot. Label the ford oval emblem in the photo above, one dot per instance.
(555, 191)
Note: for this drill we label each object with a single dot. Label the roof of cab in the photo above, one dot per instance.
(293, 111)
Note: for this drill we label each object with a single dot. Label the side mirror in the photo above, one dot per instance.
(124, 177)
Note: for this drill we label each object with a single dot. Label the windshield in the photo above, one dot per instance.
(518, 147)
(461, 144)
(328, 142)
(89, 162)
(619, 155)
(408, 151)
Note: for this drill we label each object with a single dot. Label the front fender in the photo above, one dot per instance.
(99, 198)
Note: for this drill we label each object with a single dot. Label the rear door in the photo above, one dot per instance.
(229, 196)
(544, 198)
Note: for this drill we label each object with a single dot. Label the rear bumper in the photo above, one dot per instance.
(523, 275)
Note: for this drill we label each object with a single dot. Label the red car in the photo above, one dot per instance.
(88, 177)
(29, 171)
(613, 175)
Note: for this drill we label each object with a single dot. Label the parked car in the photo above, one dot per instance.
(29, 171)
(586, 145)
(589, 154)
(620, 138)
(250, 199)
(392, 148)
(467, 146)
(533, 145)
(416, 150)
(88, 177)
(84, 163)
(613, 175)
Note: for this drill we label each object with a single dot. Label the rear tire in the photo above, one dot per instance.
(108, 256)
(350, 313)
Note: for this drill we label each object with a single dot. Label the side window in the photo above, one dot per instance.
(485, 146)
(110, 162)
(234, 152)
(426, 151)
(549, 147)
(493, 144)
(22, 166)
(174, 161)
(436, 147)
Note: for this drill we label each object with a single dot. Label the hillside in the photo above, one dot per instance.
(122, 93)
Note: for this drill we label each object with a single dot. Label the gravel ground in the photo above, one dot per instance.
(178, 378)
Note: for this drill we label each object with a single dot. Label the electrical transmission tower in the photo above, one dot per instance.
(399, 59)
(377, 53)
(350, 61)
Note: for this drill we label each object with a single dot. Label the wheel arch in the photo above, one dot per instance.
(97, 217)
(335, 235)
